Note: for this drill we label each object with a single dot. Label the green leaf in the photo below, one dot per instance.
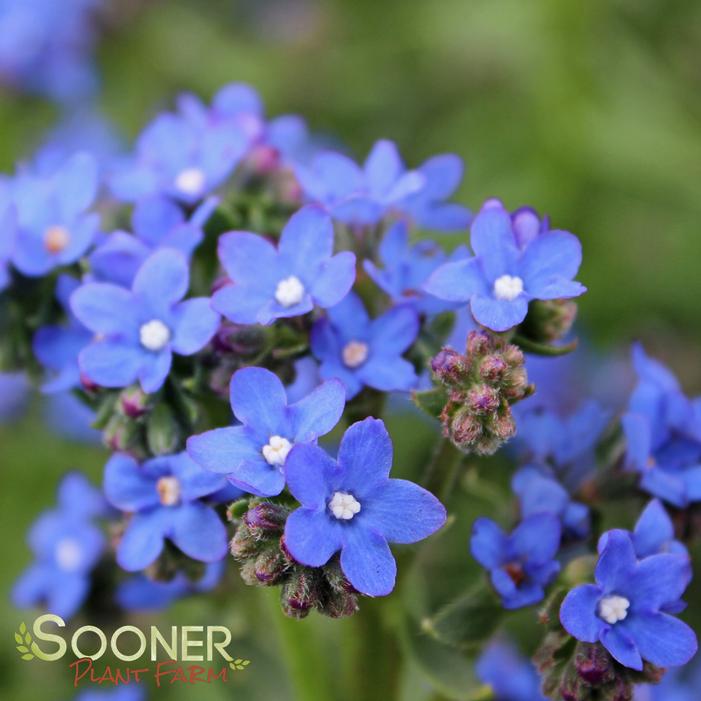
(431, 401)
(536, 348)
(467, 622)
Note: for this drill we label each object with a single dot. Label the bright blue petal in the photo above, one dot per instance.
(621, 647)
(242, 305)
(162, 280)
(492, 240)
(578, 613)
(257, 477)
(195, 481)
(383, 167)
(388, 374)
(307, 239)
(249, 258)
(663, 640)
(258, 399)
(551, 256)
(499, 314)
(66, 594)
(394, 331)
(221, 449)
(443, 174)
(318, 412)
(365, 456)
(457, 281)
(106, 309)
(154, 217)
(154, 370)
(488, 544)
(199, 532)
(142, 541)
(367, 562)
(311, 475)
(127, 486)
(111, 364)
(617, 562)
(333, 280)
(194, 324)
(76, 184)
(537, 538)
(657, 581)
(350, 318)
(312, 537)
(653, 530)
(402, 512)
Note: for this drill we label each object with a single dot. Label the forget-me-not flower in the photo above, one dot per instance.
(253, 455)
(269, 282)
(138, 330)
(351, 505)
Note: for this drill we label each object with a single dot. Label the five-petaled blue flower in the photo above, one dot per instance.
(253, 455)
(67, 546)
(626, 610)
(360, 351)
(663, 433)
(157, 223)
(383, 186)
(53, 226)
(138, 330)
(407, 267)
(270, 283)
(511, 676)
(501, 279)
(522, 563)
(163, 497)
(350, 504)
(57, 347)
(653, 533)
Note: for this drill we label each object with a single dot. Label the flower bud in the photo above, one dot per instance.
(133, 402)
(593, 664)
(549, 320)
(298, 594)
(483, 400)
(270, 566)
(448, 366)
(266, 516)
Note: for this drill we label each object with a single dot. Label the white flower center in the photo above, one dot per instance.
(289, 291)
(276, 450)
(168, 489)
(613, 608)
(355, 353)
(344, 506)
(69, 554)
(508, 287)
(190, 181)
(154, 335)
(56, 238)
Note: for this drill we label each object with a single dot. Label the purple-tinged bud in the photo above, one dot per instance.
(134, 402)
(593, 664)
(298, 595)
(270, 566)
(243, 545)
(493, 368)
(465, 429)
(266, 516)
(483, 400)
(264, 159)
(503, 426)
(448, 366)
(478, 343)
(88, 384)
(238, 340)
(549, 320)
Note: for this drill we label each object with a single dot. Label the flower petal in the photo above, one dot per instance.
(368, 562)
(551, 256)
(258, 399)
(222, 449)
(311, 475)
(621, 646)
(578, 613)
(111, 364)
(537, 538)
(162, 280)
(365, 455)
(394, 331)
(307, 239)
(312, 537)
(154, 370)
(195, 322)
(658, 580)
(142, 541)
(492, 240)
(661, 639)
(616, 565)
(388, 374)
(457, 281)
(248, 258)
(106, 309)
(318, 412)
(199, 532)
(334, 279)
(653, 530)
(488, 544)
(499, 314)
(402, 512)
(127, 486)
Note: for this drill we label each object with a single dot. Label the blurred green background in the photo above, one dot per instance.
(589, 111)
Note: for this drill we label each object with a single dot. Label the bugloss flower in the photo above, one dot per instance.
(270, 283)
(253, 455)
(57, 347)
(663, 434)
(157, 223)
(361, 351)
(53, 226)
(539, 492)
(653, 533)
(625, 609)
(143, 594)
(407, 267)
(501, 279)
(383, 186)
(527, 223)
(511, 676)
(67, 546)
(138, 330)
(182, 157)
(522, 563)
(352, 506)
(163, 497)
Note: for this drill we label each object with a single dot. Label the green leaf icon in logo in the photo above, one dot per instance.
(239, 664)
(24, 642)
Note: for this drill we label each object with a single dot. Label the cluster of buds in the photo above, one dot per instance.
(259, 546)
(549, 320)
(576, 671)
(482, 384)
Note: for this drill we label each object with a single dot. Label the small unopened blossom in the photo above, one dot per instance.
(268, 282)
(482, 385)
(352, 506)
(501, 279)
(520, 564)
(138, 330)
(253, 455)
(163, 496)
(626, 610)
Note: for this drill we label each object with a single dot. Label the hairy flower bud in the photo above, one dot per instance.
(133, 402)
(448, 366)
(549, 320)
(266, 516)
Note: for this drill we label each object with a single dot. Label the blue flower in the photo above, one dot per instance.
(653, 533)
(350, 504)
(676, 685)
(383, 186)
(140, 329)
(253, 455)
(511, 676)
(502, 279)
(181, 155)
(270, 283)
(539, 493)
(663, 434)
(164, 497)
(406, 268)
(143, 594)
(157, 223)
(360, 351)
(69, 417)
(123, 692)
(67, 546)
(53, 226)
(625, 609)
(57, 347)
(521, 564)
(527, 223)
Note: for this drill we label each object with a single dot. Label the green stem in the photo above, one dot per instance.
(443, 469)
